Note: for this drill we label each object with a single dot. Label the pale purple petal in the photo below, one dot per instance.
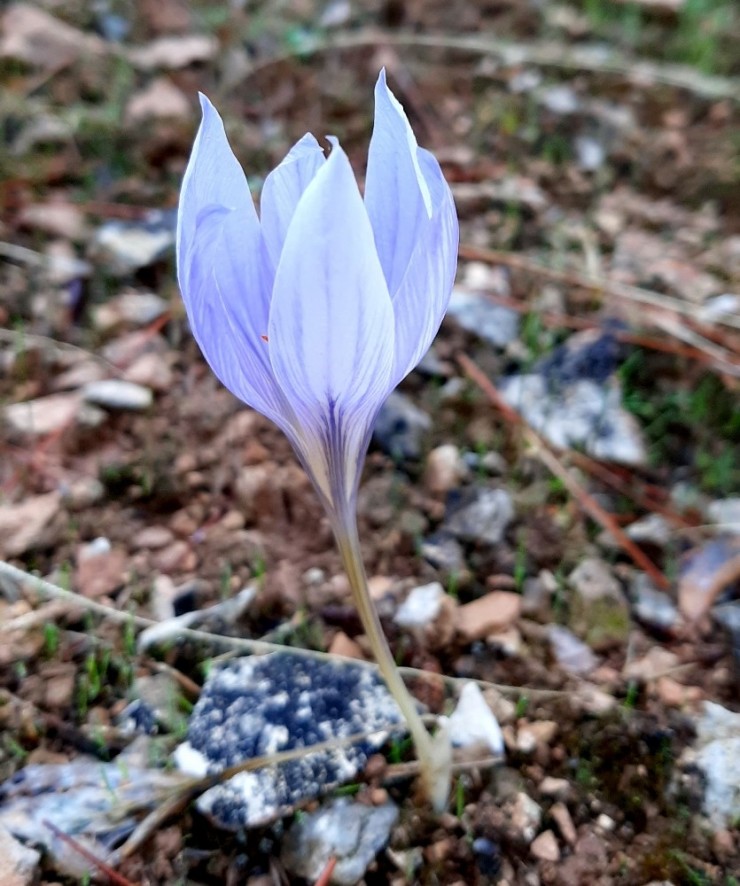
(420, 302)
(282, 190)
(213, 178)
(397, 195)
(220, 268)
(331, 321)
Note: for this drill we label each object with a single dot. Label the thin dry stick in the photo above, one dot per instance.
(664, 345)
(719, 354)
(640, 495)
(549, 54)
(21, 339)
(695, 605)
(594, 284)
(175, 799)
(545, 454)
(105, 869)
(256, 647)
(325, 878)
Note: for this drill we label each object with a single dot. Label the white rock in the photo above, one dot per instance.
(590, 153)
(173, 52)
(314, 576)
(79, 374)
(605, 823)
(150, 370)
(125, 247)
(473, 723)
(162, 598)
(56, 218)
(112, 393)
(651, 606)
(82, 493)
(572, 654)
(545, 847)
(526, 817)
(445, 468)
(22, 525)
(476, 313)
(722, 305)
(98, 547)
(592, 580)
(350, 832)
(578, 414)
(653, 529)
(482, 515)
(160, 99)
(421, 606)
(560, 99)
(725, 512)
(717, 755)
(44, 415)
(18, 863)
(135, 308)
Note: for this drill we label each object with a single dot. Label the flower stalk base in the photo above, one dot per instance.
(433, 752)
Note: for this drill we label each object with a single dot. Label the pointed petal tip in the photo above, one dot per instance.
(205, 104)
(333, 141)
(307, 142)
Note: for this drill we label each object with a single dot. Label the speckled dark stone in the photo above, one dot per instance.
(259, 706)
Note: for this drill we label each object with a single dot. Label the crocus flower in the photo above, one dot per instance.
(314, 311)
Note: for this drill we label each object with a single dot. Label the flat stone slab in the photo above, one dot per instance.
(259, 706)
(351, 833)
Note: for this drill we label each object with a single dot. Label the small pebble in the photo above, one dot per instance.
(489, 614)
(545, 847)
(112, 393)
(445, 469)
(561, 817)
(473, 722)
(572, 654)
(421, 606)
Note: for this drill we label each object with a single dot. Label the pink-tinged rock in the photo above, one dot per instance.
(101, 570)
(490, 614)
(558, 788)
(561, 816)
(346, 646)
(152, 538)
(656, 663)
(545, 847)
(56, 218)
(79, 375)
(151, 370)
(18, 863)
(43, 41)
(445, 469)
(44, 415)
(176, 557)
(22, 525)
(174, 52)
(161, 99)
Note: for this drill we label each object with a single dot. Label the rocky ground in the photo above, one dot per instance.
(551, 503)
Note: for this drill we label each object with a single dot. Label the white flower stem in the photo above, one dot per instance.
(434, 753)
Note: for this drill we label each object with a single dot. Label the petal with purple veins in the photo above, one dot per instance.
(420, 302)
(331, 324)
(397, 196)
(220, 268)
(282, 190)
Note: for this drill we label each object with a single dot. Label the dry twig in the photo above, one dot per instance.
(603, 285)
(243, 644)
(546, 455)
(105, 869)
